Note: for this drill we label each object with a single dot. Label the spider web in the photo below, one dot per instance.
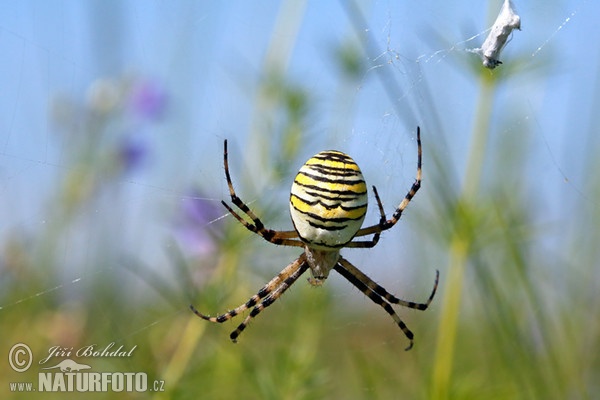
(407, 81)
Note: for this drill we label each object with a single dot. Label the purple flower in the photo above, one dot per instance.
(132, 153)
(198, 226)
(148, 99)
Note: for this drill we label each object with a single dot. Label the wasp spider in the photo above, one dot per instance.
(328, 203)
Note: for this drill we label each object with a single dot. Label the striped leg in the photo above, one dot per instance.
(377, 299)
(285, 238)
(270, 299)
(371, 243)
(358, 274)
(273, 284)
(387, 224)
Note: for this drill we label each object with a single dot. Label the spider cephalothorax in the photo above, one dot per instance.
(328, 204)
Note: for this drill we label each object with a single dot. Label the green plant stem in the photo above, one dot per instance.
(460, 245)
(192, 332)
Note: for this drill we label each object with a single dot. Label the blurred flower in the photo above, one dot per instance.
(198, 229)
(106, 137)
(132, 153)
(148, 99)
(104, 96)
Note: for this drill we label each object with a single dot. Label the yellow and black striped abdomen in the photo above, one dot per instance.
(328, 200)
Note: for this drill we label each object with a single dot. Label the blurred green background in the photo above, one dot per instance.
(113, 120)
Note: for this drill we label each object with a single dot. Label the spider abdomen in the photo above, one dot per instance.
(328, 200)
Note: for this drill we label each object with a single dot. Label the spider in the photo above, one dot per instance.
(328, 203)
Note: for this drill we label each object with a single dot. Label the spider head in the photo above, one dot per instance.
(320, 263)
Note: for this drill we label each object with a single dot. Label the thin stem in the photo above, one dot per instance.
(194, 330)
(460, 245)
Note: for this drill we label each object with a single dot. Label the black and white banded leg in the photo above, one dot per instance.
(381, 296)
(264, 298)
(384, 224)
(285, 238)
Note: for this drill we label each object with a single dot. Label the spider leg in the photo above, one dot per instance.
(270, 299)
(285, 238)
(387, 224)
(377, 233)
(377, 299)
(265, 291)
(358, 274)
(413, 189)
